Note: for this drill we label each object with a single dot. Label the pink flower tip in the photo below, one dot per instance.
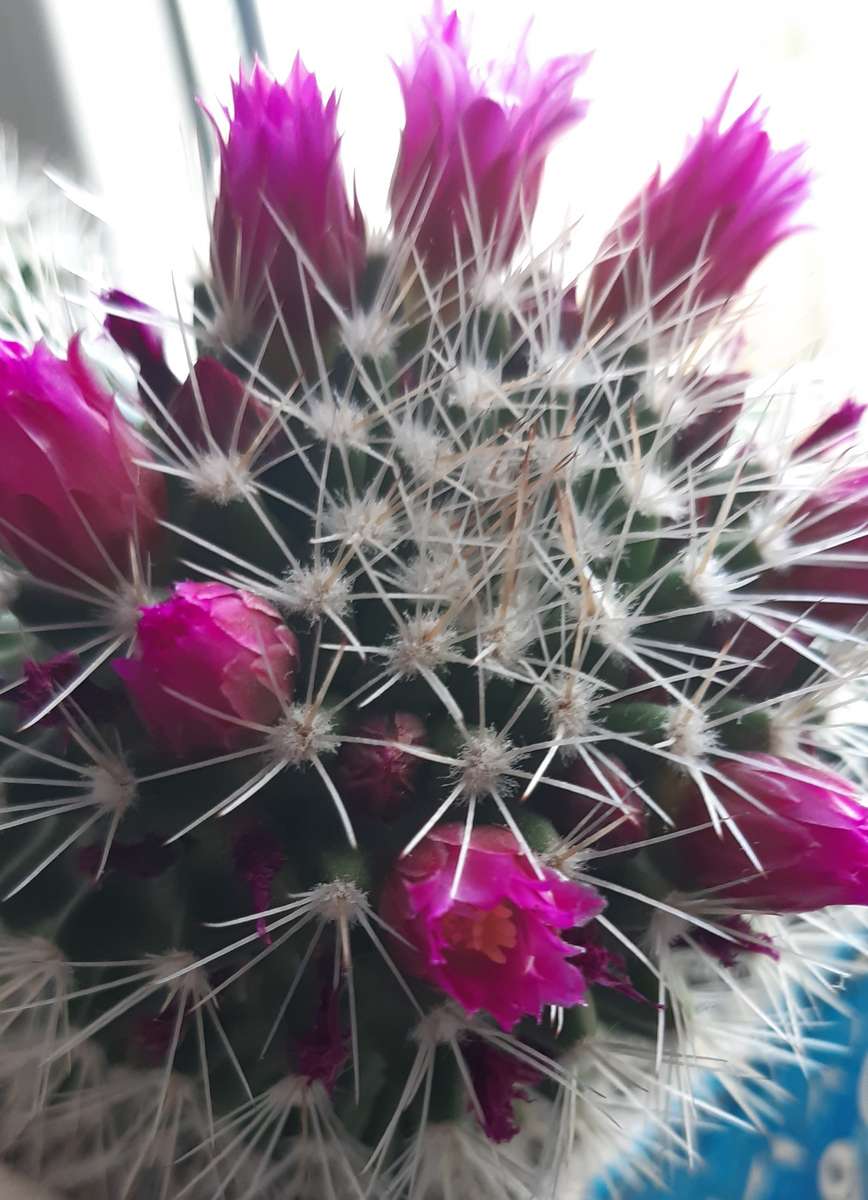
(474, 146)
(283, 226)
(835, 433)
(493, 943)
(499, 1081)
(604, 967)
(65, 521)
(807, 826)
(688, 243)
(379, 777)
(257, 858)
(322, 1051)
(217, 412)
(828, 532)
(132, 326)
(737, 937)
(210, 665)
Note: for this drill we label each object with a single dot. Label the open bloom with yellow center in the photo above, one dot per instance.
(494, 944)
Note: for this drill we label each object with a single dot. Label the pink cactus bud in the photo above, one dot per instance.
(495, 945)
(472, 151)
(835, 433)
(379, 778)
(611, 799)
(499, 1080)
(770, 651)
(281, 182)
(828, 536)
(226, 652)
(131, 325)
(699, 234)
(717, 401)
(806, 825)
(216, 411)
(74, 499)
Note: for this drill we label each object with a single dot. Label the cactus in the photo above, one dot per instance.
(427, 742)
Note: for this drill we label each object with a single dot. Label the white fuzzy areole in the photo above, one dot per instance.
(304, 734)
(315, 591)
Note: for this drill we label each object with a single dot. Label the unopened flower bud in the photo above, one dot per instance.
(216, 411)
(75, 500)
(379, 777)
(807, 826)
(702, 231)
(211, 664)
(281, 183)
(473, 149)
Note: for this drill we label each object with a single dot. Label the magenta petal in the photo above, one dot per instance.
(220, 649)
(835, 433)
(469, 165)
(806, 824)
(706, 227)
(496, 945)
(62, 518)
(280, 179)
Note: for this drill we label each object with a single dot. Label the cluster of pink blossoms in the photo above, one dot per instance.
(211, 668)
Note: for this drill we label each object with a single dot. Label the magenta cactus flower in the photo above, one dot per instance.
(379, 777)
(697, 236)
(495, 945)
(131, 324)
(283, 222)
(215, 411)
(224, 651)
(835, 433)
(473, 148)
(770, 650)
(605, 814)
(75, 502)
(807, 825)
(827, 542)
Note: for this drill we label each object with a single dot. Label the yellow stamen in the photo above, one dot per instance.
(488, 931)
